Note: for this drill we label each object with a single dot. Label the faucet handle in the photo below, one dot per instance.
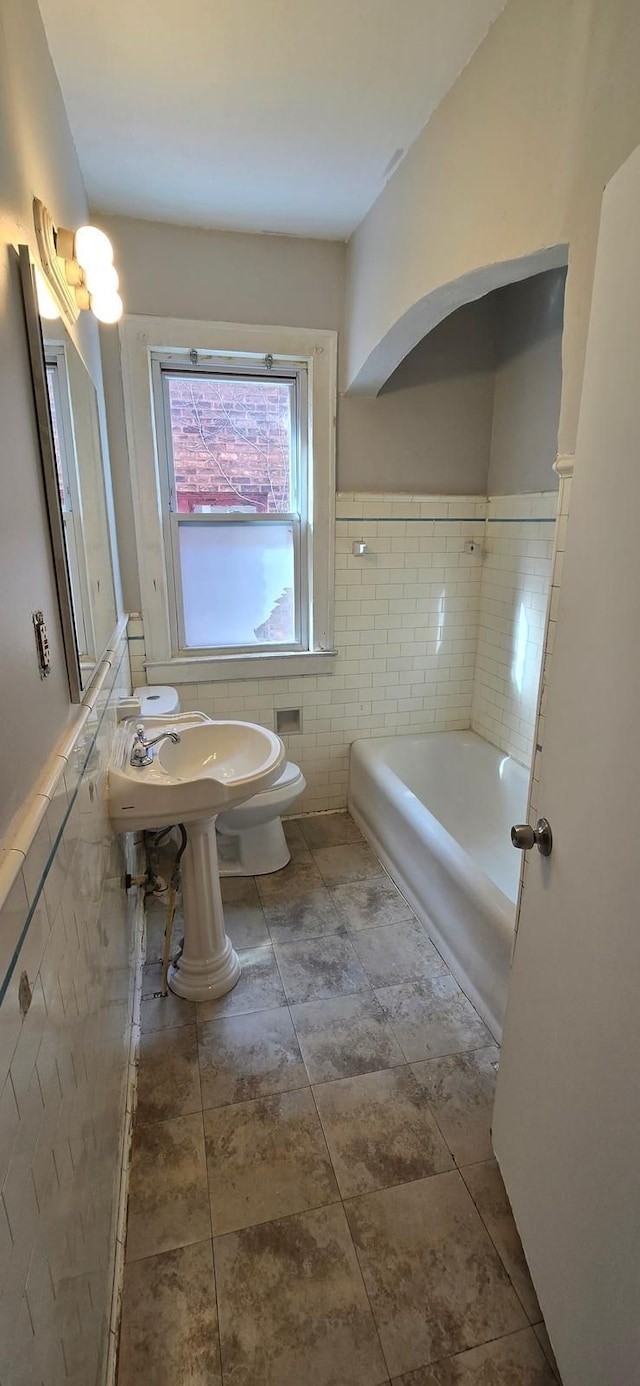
(140, 732)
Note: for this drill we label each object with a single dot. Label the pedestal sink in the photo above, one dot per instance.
(213, 766)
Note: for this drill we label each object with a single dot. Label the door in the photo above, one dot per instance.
(567, 1117)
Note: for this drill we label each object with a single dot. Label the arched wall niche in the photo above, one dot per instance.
(427, 312)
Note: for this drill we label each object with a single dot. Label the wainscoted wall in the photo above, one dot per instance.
(516, 573)
(66, 942)
(406, 617)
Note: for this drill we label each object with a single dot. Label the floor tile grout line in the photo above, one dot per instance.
(345, 1198)
(404, 1184)
(286, 1217)
(151, 1255)
(211, 1213)
(166, 1251)
(414, 1063)
(210, 1208)
(261, 1097)
(500, 1338)
(495, 1245)
(366, 1291)
(319, 1082)
(218, 1309)
(395, 1067)
(323, 1082)
(306, 1069)
(528, 1327)
(282, 1217)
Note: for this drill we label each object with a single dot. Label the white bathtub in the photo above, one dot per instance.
(438, 810)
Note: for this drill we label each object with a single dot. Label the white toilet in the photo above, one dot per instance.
(251, 840)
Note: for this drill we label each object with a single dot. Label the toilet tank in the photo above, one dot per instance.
(158, 700)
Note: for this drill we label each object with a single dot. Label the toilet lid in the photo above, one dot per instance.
(159, 700)
(290, 773)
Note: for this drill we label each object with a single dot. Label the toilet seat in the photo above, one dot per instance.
(291, 781)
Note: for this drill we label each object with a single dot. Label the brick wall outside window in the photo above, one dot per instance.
(231, 444)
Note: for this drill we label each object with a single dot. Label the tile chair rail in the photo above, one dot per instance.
(68, 761)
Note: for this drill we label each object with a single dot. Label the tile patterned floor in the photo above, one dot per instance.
(314, 1199)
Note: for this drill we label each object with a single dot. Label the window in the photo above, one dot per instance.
(231, 433)
(234, 489)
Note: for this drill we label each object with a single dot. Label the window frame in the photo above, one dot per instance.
(142, 341)
(164, 365)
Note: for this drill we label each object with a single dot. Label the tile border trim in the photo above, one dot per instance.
(25, 823)
(21, 856)
(411, 519)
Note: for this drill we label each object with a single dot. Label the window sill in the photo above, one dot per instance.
(231, 668)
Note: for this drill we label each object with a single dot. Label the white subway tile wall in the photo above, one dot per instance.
(406, 618)
(63, 1068)
(428, 637)
(564, 502)
(516, 574)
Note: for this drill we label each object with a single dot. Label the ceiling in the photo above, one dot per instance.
(257, 115)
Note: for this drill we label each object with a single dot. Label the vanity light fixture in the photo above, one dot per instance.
(47, 306)
(78, 268)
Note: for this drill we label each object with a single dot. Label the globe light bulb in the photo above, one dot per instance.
(47, 306)
(107, 307)
(101, 280)
(92, 248)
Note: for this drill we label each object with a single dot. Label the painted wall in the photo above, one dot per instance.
(514, 159)
(226, 276)
(528, 384)
(428, 432)
(429, 429)
(37, 157)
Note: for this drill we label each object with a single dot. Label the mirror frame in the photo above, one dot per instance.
(49, 472)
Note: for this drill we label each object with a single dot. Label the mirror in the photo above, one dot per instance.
(73, 468)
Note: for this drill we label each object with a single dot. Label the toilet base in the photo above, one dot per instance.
(253, 851)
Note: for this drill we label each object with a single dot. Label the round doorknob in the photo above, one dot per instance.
(524, 837)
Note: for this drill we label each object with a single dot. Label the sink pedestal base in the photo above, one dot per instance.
(209, 966)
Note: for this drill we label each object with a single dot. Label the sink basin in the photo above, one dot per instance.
(215, 765)
(232, 753)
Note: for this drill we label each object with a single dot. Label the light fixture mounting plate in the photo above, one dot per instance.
(53, 266)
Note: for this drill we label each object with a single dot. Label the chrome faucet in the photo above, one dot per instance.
(142, 750)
